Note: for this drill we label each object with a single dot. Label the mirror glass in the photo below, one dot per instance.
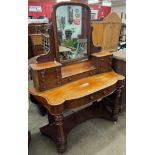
(72, 23)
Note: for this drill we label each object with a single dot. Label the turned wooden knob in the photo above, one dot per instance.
(104, 92)
(69, 79)
(58, 77)
(91, 97)
(57, 70)
(91, 73)
(110, 62)
(58, 82)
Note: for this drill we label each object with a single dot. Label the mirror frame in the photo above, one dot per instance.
(56, 34)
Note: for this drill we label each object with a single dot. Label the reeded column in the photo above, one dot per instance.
(60, 138)
(116, 102)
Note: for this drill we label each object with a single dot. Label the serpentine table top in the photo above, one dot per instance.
(77, 89)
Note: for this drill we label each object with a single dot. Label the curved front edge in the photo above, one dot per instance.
(75, 103)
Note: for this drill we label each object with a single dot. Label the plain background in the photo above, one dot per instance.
(140, 77)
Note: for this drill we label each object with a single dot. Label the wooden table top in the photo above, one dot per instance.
(77, 89)
(101, 54)
(44, 65)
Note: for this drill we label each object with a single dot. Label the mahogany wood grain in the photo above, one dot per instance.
(76, 94)
(78, 88)
(44, 65)
(77, 68)
(119, 65)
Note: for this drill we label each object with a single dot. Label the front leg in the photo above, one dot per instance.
(55, 130)
(61, 141)
(116, 101)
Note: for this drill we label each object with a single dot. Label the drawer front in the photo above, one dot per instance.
(105, 63)
(90, 98)
(47, 86)
(49, 75)
(78, 76)
(50, 78)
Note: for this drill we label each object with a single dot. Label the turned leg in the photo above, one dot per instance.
(61, 141)
(116, 104)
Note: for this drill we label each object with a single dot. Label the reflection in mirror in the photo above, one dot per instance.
(72, 32)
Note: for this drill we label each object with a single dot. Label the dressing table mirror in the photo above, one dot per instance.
(72, 31)
(70, 76)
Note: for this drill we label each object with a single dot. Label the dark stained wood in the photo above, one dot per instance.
(50, 56)
(60, 126)
(102, 61)
(36, 28)
(119, 66)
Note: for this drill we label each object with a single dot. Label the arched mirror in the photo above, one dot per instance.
(72, 29)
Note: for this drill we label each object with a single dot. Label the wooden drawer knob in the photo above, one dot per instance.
(91, 73)
(91, 97)
(69, 79)
(57, 70)
(104, 92)
(58, 82)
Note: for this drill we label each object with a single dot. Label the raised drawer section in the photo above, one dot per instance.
(50, 78)
(50, 74)
(78, 76)
(89, 98)
(103, 64)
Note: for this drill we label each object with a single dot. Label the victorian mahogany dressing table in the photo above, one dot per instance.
(82, 78)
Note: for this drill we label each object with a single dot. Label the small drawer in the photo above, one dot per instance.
(50, 74)
(93, 72)
(49, 85)
(78, 76)
(90, 98)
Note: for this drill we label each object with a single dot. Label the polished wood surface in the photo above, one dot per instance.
(45, 65)
(119, 65)
(59, 126)
(78, 88)
(77, 68)
(101, 54)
